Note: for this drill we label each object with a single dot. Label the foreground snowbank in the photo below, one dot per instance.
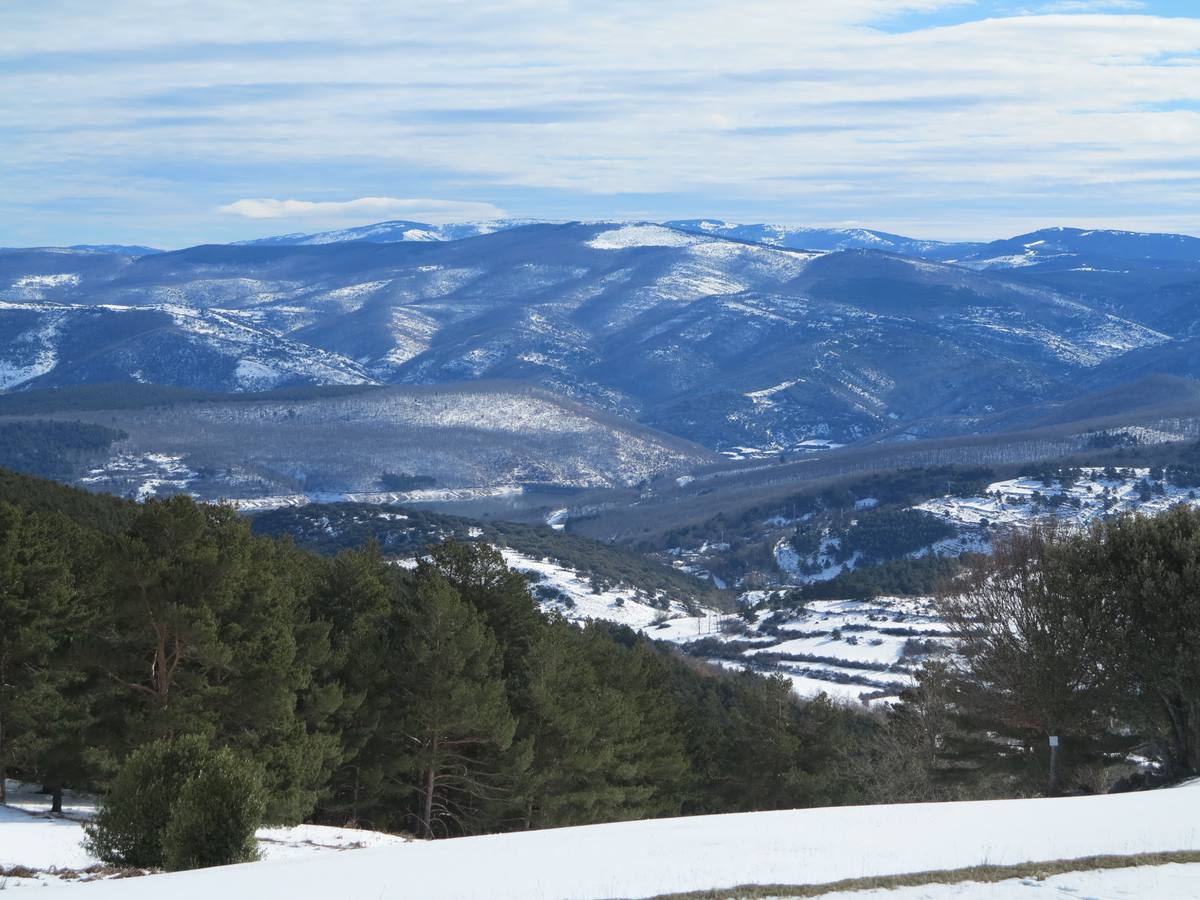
(641, 859)
(52, 846)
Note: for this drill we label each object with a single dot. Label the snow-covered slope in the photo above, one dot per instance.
(730, 342)
(52, 846)
(473, 440)
(644, 859)
(1077, 497)
(812, 238)
(391, 232)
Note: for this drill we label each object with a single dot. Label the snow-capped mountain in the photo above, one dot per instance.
(727, 341)
(391, 232)
(1075, 245)
(798, 238)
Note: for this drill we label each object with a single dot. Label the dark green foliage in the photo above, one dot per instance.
(128, 829)
(42, 617)
(207, 634)
(391, 481)
(178, 804)
(99, 511)
(1152, 580)
(884, 534)
(604, 745)
(168, 644)
(215, 816)
(330, 528)
(900, 577)
(53, 449)
(453, 706)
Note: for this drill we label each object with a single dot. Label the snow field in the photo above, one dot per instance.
(31, 837)
(618, 604)
(1088, 497)
(647, 858)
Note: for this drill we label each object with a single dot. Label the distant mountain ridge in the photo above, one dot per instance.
(720, 339)
(799, 238)
(392, 231)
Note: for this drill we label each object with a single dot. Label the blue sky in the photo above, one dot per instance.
(183, 121)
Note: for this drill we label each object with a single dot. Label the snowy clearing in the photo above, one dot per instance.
(53, 845)
(647, 858)
(1078, 500)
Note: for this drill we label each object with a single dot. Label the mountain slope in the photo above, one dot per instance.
(390, 232)
(727, 342)
(799, 238)
(481, 438)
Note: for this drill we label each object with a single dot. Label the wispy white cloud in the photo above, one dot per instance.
(364, 209)
(1090, 6)
(809, 111)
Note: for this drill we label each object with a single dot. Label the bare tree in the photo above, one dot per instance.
(1033, 622)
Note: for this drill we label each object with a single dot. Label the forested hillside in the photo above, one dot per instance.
(141, 640)
(436, 700)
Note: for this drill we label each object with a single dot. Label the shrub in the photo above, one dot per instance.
(178, 805)
(127, 831)
(215, 816)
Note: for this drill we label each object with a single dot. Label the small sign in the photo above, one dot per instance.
(1054, 740)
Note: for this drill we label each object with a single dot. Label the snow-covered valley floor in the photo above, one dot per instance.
(653, 857)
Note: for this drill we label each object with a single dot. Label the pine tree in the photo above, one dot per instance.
(605, 748)
(210, 633)
(354, 594)
(453, 706)
(478, 573)
(39, 617)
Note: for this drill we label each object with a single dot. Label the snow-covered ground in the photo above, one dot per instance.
(1168, 882)
(857, 651)
(813, 846)
(571, 593)
(52, 846)
(1079, 500)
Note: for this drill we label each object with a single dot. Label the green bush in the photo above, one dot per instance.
(215, 816)
(128, 829)
(178, 805)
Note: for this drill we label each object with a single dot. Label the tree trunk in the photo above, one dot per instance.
(3, 785)
(1181, 761)
(1052, 785)
(427, 814)
(430, 781)
(56, 793)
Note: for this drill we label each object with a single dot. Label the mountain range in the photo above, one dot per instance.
(732, 336)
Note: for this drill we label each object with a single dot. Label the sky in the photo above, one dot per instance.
(175, 122)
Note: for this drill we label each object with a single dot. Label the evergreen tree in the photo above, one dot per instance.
(782, 751)
(209, 634)
(478, 573)
(39, 617)
(453, 706)
(604, 747)
(354, 595)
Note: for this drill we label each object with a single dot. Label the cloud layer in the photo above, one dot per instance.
(941, 117)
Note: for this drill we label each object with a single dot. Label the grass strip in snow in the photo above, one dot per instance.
(983, 874)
